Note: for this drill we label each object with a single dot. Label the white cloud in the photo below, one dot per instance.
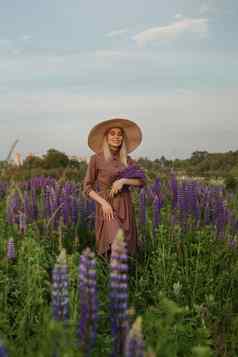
(204, 8)
(26, 38)
(170, 32)
(117, 33)
(5, 43)
(215, 7)
(178, 16)
(13, 44)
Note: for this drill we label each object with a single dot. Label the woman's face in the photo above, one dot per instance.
(115, 137)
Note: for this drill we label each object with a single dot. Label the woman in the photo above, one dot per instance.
(112, 140)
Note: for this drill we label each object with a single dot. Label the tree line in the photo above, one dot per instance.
(200, 163)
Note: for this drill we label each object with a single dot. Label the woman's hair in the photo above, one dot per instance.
(123, 149)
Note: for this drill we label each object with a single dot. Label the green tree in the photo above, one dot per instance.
(231, 183)
(32, 162)
(55, 159)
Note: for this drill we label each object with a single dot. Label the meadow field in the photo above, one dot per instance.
(176, 297)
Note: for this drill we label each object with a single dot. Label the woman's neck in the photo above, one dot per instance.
(114, 150)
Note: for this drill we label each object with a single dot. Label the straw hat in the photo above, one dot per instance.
(132, 130)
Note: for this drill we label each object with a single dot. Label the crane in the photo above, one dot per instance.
(11, 150)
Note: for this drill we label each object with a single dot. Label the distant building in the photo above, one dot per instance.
(29, 155)
(18, 160)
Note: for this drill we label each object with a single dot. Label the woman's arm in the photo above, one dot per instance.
(133, 182)
(118, 184)
(91, 176)
(106, 207)
(96, 197)
(88, 188)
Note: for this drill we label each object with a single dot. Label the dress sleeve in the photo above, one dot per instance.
(133, 162)
(91, 176)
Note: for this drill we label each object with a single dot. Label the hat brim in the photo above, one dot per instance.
(132, 130)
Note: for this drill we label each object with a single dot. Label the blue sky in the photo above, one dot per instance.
(171, 67)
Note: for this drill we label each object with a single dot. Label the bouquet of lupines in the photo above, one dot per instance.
(131, 172)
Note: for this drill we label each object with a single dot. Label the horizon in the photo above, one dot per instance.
(15, 153)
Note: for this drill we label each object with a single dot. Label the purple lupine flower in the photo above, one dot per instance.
(182, 206)
(3, 189)
(186, 188)
(3, 351)
(173, 219)
(156, 187)
(22, 222)
(193, 201)
(142, 207)
(38, 182)
(87, 209)
(11, 252)
(27, 207)
(197, 214)
(74, 210)
(52, 200)
(56, 205)
(204, 204)
(68, 192)
(174, 190)
(13, 206)
(134, 346)
(232, 243)
(119, 293)
(156, 212)
(66, 209)
(220, 218)
(60, 213)
(34, 204)
(191, 195)
(88, 301)
(9, 214)
(60, 294)
(207, 216)
(233, 223)
(149, 194)
(90, 213)
(181, 197)
(227, 214)
(82, 210)
(46, 198)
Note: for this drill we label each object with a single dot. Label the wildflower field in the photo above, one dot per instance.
(177, 297)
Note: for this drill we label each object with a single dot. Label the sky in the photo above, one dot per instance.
(172, 67)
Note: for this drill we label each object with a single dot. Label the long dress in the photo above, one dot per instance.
(99, 177)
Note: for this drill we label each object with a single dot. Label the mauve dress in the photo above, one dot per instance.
(99, 177)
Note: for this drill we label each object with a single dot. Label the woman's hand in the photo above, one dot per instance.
(107, 211)
(117, 187)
